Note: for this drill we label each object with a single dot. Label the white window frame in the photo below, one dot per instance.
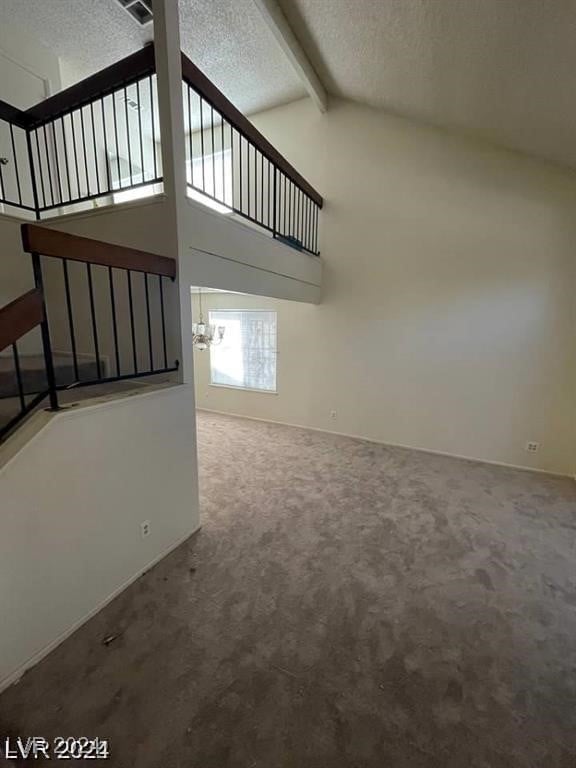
(240, 388)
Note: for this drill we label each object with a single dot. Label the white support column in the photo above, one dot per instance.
(169, 74)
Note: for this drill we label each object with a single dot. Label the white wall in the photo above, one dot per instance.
(29, 72)
(27, 53)
(448, 313)
(71, 540)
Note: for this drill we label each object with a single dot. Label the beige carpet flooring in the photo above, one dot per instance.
(345, 605)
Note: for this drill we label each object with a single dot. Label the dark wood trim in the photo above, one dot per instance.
(51, 242)
(198, 80)
(106, 81)
(13, 115)
(20, 316)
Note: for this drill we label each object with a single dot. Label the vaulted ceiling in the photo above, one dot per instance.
(499, 69)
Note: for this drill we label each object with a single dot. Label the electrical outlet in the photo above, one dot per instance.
(145, 528)
(332, 414)
(532, 447)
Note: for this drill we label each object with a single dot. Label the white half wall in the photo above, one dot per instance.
(71, 540)
(220, 251)
(226, 253)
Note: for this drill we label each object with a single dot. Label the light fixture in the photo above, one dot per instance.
(205, 335)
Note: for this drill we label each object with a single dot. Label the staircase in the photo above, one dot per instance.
(120, 336)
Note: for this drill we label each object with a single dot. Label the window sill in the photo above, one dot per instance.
(245, 389)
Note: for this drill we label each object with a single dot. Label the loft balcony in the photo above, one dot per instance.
(99, 143)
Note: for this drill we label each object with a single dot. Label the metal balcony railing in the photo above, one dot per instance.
(232, 164)
(101, 138)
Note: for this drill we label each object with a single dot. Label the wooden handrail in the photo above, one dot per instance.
(51, 242)
(20, 316)
(198, 80)
(121, 73)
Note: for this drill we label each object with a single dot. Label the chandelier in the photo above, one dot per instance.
(205, 335)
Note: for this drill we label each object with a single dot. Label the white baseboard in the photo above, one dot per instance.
(15, 676)
(392, 445)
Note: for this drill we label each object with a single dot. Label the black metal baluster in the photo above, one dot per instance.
(289, 224)
(302, 216)
(150, 350)
(128, 136)
(213, 152)
(153, 127)
(292, 209)
(116, 141)
(57, 161)
(261, 188)
(190, 142)
(94, 145)
(66, 165)
(18, 377)
(93, 316)
(313, 233)
(202, 146)
(296, 209)
(232, 164)
(107, 153)
(308, 243)
(15, 164)
(114, 323)
(295, 212)
(163, 321)
(284, 228)
(75, 152)
(2, 193)
(33, 172)
(81, 110)
(70, 319)
(269, 193)
(255, 183)
(140, 131)
(132, 329)
(48, 164)
(222, 158)
(45, 331)
(248, 176)
(40, 172)
(241, 185)
(304, 219)
(275, 202)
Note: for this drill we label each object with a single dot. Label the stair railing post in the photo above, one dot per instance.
(274, 201)
(46, 344)
(32, 173)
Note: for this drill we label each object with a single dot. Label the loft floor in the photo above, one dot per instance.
(344, 605)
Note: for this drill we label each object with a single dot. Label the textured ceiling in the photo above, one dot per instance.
(227, 39)
(501, 69)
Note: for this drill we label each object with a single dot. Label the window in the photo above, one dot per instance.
(246, 358)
